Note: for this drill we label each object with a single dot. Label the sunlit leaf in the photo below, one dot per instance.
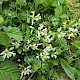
(13, 32)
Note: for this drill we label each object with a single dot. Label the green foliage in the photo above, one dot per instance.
(37, 34)
(9, 71)
(1, 19)
(4, 39)
(13, 32)
(68, 69)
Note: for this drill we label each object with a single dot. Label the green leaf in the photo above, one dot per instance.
(13, 32)
(68, 69)
(76, 44)
(4, 39)
(36, 65)
(1, 58)
(19, 50)
(58, 10)
(42, 78)
(9, 71)
(63, 16)
(39, 1)
(1, 19)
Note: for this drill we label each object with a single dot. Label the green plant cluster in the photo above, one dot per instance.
(39, 40)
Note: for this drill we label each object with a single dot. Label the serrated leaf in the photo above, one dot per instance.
(13, 32)
(68, 69)
(4, 39)
(9, 71)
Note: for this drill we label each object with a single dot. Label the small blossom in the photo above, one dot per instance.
(73, 30)
(54, 56)
(34, 18)
(26, 71)
(62, 34)
(33, 46)
(38, 34)
(16, 44)
(37, 17)
(41, 26)
(44, 56)
(37, 57)
(44, 32)
(31, 26)
(33, 13)
(59, 29)
(7, 53)
(48, 48)
(64, 25)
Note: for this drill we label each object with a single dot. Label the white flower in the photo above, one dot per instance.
(64, 25)
(33, 13)
(44, 56)
(16, 44)
(26, 71)
(37, 17)
(44, 32)
(37, 57)
(54, 48)
(59, 29)
(34, 18)
(31, 26)
(41, 26)
(54, 56)
(48, 48)
(33, 46)
(48, 38)
(73, 30)
(62, 34)
(38, 35)
(59, 36)
(7, 53)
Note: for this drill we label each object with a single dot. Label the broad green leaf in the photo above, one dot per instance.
(1, 19)
(4, 39)
(13, 32)
(9, 71)
(68, 69)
